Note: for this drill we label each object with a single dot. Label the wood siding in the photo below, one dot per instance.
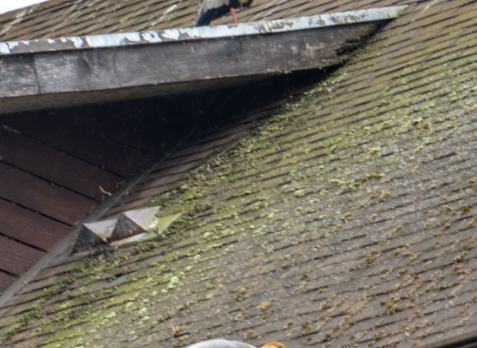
(56, 165)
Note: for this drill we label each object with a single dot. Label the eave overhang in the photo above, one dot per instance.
(70, 71)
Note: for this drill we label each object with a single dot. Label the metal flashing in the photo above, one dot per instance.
(95, 233)
(134, 222)
(160, 226)
(200, 33)
(131, 226)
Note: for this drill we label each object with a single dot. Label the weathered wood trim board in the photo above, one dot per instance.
(78, 70)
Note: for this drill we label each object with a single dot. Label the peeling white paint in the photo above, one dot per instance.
(201, 33)
(77, 41)
(112, 40)
(172, 34)
(13, 44)
(4, 48)
(152, 36)
(301, 23)
(132, 37)
(25, 42)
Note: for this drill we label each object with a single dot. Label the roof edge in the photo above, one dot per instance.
(199, 33)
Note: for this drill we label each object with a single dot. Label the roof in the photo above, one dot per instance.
(346, 218)
(373, 15)
(61, 164)
(52, 73)
(60, 18)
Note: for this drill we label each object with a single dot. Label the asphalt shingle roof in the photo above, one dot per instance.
(345, 219)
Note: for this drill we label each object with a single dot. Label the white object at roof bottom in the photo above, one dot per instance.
(220, 343)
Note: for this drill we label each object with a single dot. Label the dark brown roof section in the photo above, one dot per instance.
(57, 165)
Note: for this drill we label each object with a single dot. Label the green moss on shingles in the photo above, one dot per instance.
(296, 134)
